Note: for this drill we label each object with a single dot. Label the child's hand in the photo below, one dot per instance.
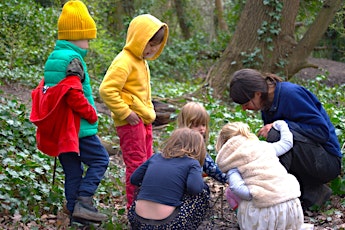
(133, 118)
(93, 116)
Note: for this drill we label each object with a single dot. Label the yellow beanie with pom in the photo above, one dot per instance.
(75, 22)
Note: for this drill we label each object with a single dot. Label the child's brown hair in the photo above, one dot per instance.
(192, 115)
(158, 37)
(185, 142)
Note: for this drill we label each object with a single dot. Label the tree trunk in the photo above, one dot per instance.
(128, 6)
(298, 58)
(246, 49)
(219, 13)
(264, 40)
(182, 18)
(114, 11)
(46, 3)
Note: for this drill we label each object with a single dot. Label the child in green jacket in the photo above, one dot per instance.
(75, 28)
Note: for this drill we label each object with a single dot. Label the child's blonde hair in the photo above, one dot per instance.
(192, 115)
(233, 129)
(185, 142)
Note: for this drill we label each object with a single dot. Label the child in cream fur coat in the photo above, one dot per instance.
(268, 192)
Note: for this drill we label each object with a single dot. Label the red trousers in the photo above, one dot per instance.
(136, 145)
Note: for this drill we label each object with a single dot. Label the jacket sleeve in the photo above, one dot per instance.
(138, 175)
(195, 182)
(110, 91)
(212, 170)
(237, 185)
(75, 68)
(80, 105)
(286, 138)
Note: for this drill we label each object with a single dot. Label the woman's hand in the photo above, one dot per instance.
(263, 132)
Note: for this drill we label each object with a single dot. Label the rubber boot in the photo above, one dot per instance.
(74, 221)
(315, 196)
(324, 194)
(85, 210)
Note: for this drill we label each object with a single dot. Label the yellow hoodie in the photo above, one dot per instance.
(126, 85)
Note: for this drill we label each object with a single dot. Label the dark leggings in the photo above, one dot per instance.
(308, 162)
(187, 216)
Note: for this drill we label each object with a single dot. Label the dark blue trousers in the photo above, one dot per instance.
(84, 172)
(309, 162)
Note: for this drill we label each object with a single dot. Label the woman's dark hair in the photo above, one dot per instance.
(158, 36)
(246, 82)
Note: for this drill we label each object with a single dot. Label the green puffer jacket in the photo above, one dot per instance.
(55, 70)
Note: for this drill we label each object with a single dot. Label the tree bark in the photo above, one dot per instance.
(128, 6)
(219, 13)
(114, 11)
(257, 44)
(182, 18)
(298, 58)
(245, 43)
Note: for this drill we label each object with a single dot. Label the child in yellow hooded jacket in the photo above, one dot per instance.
(126, 91)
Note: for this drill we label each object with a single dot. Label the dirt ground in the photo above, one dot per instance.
(334, 70)
(332, 216)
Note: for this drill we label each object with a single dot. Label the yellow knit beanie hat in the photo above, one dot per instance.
(75, 22)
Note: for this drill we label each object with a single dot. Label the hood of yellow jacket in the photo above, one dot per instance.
(140, 31)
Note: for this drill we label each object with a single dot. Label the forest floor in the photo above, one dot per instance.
(330, 216)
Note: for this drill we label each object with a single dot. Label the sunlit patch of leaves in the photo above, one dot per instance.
(24, 171)
(26, 174)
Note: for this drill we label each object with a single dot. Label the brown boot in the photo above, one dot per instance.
(84, 209)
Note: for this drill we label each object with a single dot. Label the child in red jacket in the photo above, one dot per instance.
(64, 111)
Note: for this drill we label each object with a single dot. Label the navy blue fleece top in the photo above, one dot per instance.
(304, 114)
(165, 180)
(212, 170)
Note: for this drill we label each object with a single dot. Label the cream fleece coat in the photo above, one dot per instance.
(268, 181)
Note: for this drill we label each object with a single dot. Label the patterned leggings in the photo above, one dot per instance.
(188, 216)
